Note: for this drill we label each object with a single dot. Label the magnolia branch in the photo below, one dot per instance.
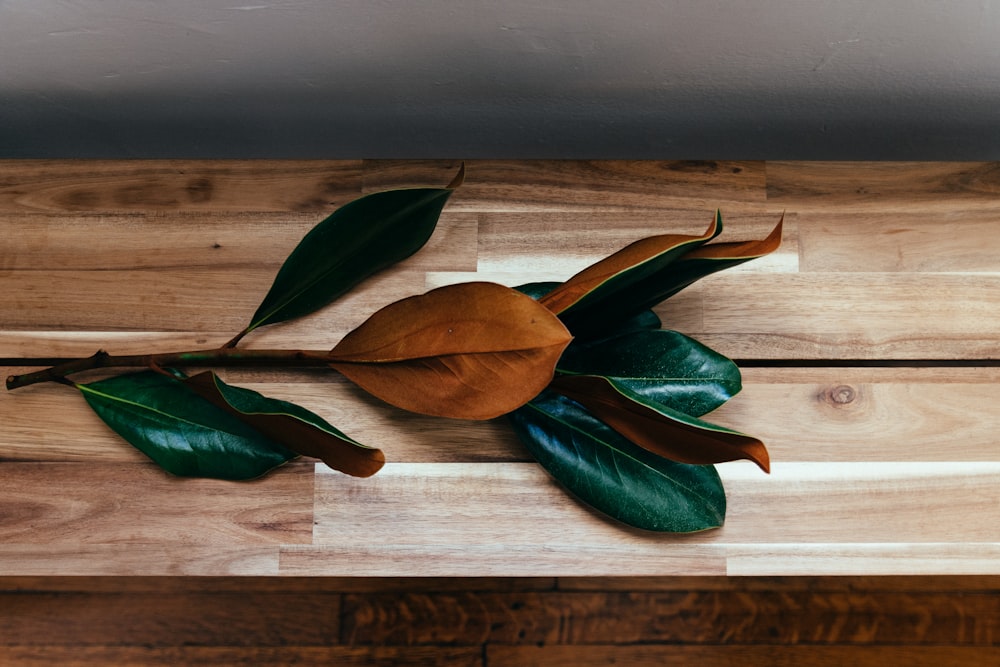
(223, 357)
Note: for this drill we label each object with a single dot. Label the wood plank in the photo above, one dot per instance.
(69, 186)
(39, 558)
(736, 656)
(887, 186)
(803, 415)
(37, 420)
(553, 185)
(846, 315)
(122, 504)
(681, 617)
(544, 245)
(243, 618)
(830, 506)
(945, 558)
(959, 241)
(321, 656)
(68, 312)
(815, 584)
(167, 242)
(271, 584)
(808, 316)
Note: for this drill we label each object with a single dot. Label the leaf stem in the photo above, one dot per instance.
(224, 356)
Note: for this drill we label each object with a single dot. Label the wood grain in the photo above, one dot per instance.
(50, 504)
(734, 656)
(813, 507)
(878, 471)
(71, 186)
(688, 617)
(554, 185)
(805, 415)
(886, 186)
(129, 656)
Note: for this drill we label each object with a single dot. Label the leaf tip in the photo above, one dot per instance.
(459, 178)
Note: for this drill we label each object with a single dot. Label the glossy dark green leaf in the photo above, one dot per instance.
(657, 428)
(665, 367)
(355, 241)
(182, 432)
(608, 287)
(291, 425)
(603, 469)
(642, 321)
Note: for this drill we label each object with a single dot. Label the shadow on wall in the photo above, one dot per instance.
(692, 125)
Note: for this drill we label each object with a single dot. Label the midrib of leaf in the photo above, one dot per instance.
(659, 378)
(152, 410)
(618, 451)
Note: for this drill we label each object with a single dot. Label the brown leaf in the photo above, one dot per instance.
(306, 434)
(628, 264)
(468, 351)
(744, 250)
(678, 438)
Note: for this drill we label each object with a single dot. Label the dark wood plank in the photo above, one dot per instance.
(194, 656)
(691, 617)
(739, 656)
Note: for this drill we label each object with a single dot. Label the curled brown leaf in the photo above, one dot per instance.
(678, 438)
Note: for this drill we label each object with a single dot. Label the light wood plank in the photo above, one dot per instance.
(68, 504)
(553, 185)
(554, 246)
(847, 315)
(166, 242)
(816, 584)
(945, 558)
(743, 315)
(289, 586)
(886, 186)
(805, 415)
(38, 556)
(887, 504)
(958, 241)
(66, 186)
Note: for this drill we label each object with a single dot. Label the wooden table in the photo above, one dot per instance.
(869, 345)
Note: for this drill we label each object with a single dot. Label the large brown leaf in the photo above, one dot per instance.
(468, 351)
(669, 433)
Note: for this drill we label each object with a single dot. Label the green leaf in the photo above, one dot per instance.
(608, 285)
(615, 476)
(664, 367)
(354, 242)
(291, 425)
(644, 320)
(182, 432)
(657, 428)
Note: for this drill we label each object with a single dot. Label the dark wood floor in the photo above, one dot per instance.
(887, 621)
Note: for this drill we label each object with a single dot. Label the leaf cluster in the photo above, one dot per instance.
(607, 401)
(619, 425)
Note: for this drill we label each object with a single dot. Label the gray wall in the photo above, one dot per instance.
(877, 79)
